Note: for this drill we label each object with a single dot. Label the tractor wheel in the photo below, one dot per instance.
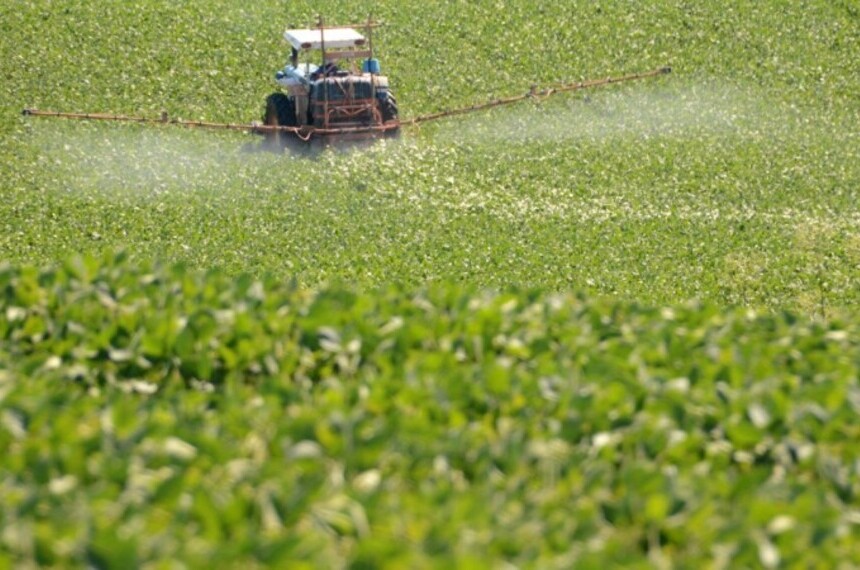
(280, 112)
(388, 106)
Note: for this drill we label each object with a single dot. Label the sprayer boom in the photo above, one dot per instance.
(538, 94)
(306, 132)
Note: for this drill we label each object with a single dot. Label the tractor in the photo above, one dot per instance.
(332, 89)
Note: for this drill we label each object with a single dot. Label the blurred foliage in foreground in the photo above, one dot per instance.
(160, 417)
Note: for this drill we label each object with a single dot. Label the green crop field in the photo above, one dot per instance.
(610, 328)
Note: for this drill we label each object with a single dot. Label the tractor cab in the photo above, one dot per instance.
(333, 86)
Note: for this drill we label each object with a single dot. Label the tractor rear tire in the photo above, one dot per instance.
(388, 107)
(280, 112)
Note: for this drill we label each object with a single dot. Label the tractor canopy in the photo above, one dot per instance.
(329, 38)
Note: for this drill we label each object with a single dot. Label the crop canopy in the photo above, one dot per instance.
(336, 38)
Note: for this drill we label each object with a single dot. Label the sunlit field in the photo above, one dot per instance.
(613, 327)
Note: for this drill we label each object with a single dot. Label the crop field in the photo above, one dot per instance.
(610, 328)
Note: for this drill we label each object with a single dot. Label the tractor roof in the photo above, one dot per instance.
(336, 38)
